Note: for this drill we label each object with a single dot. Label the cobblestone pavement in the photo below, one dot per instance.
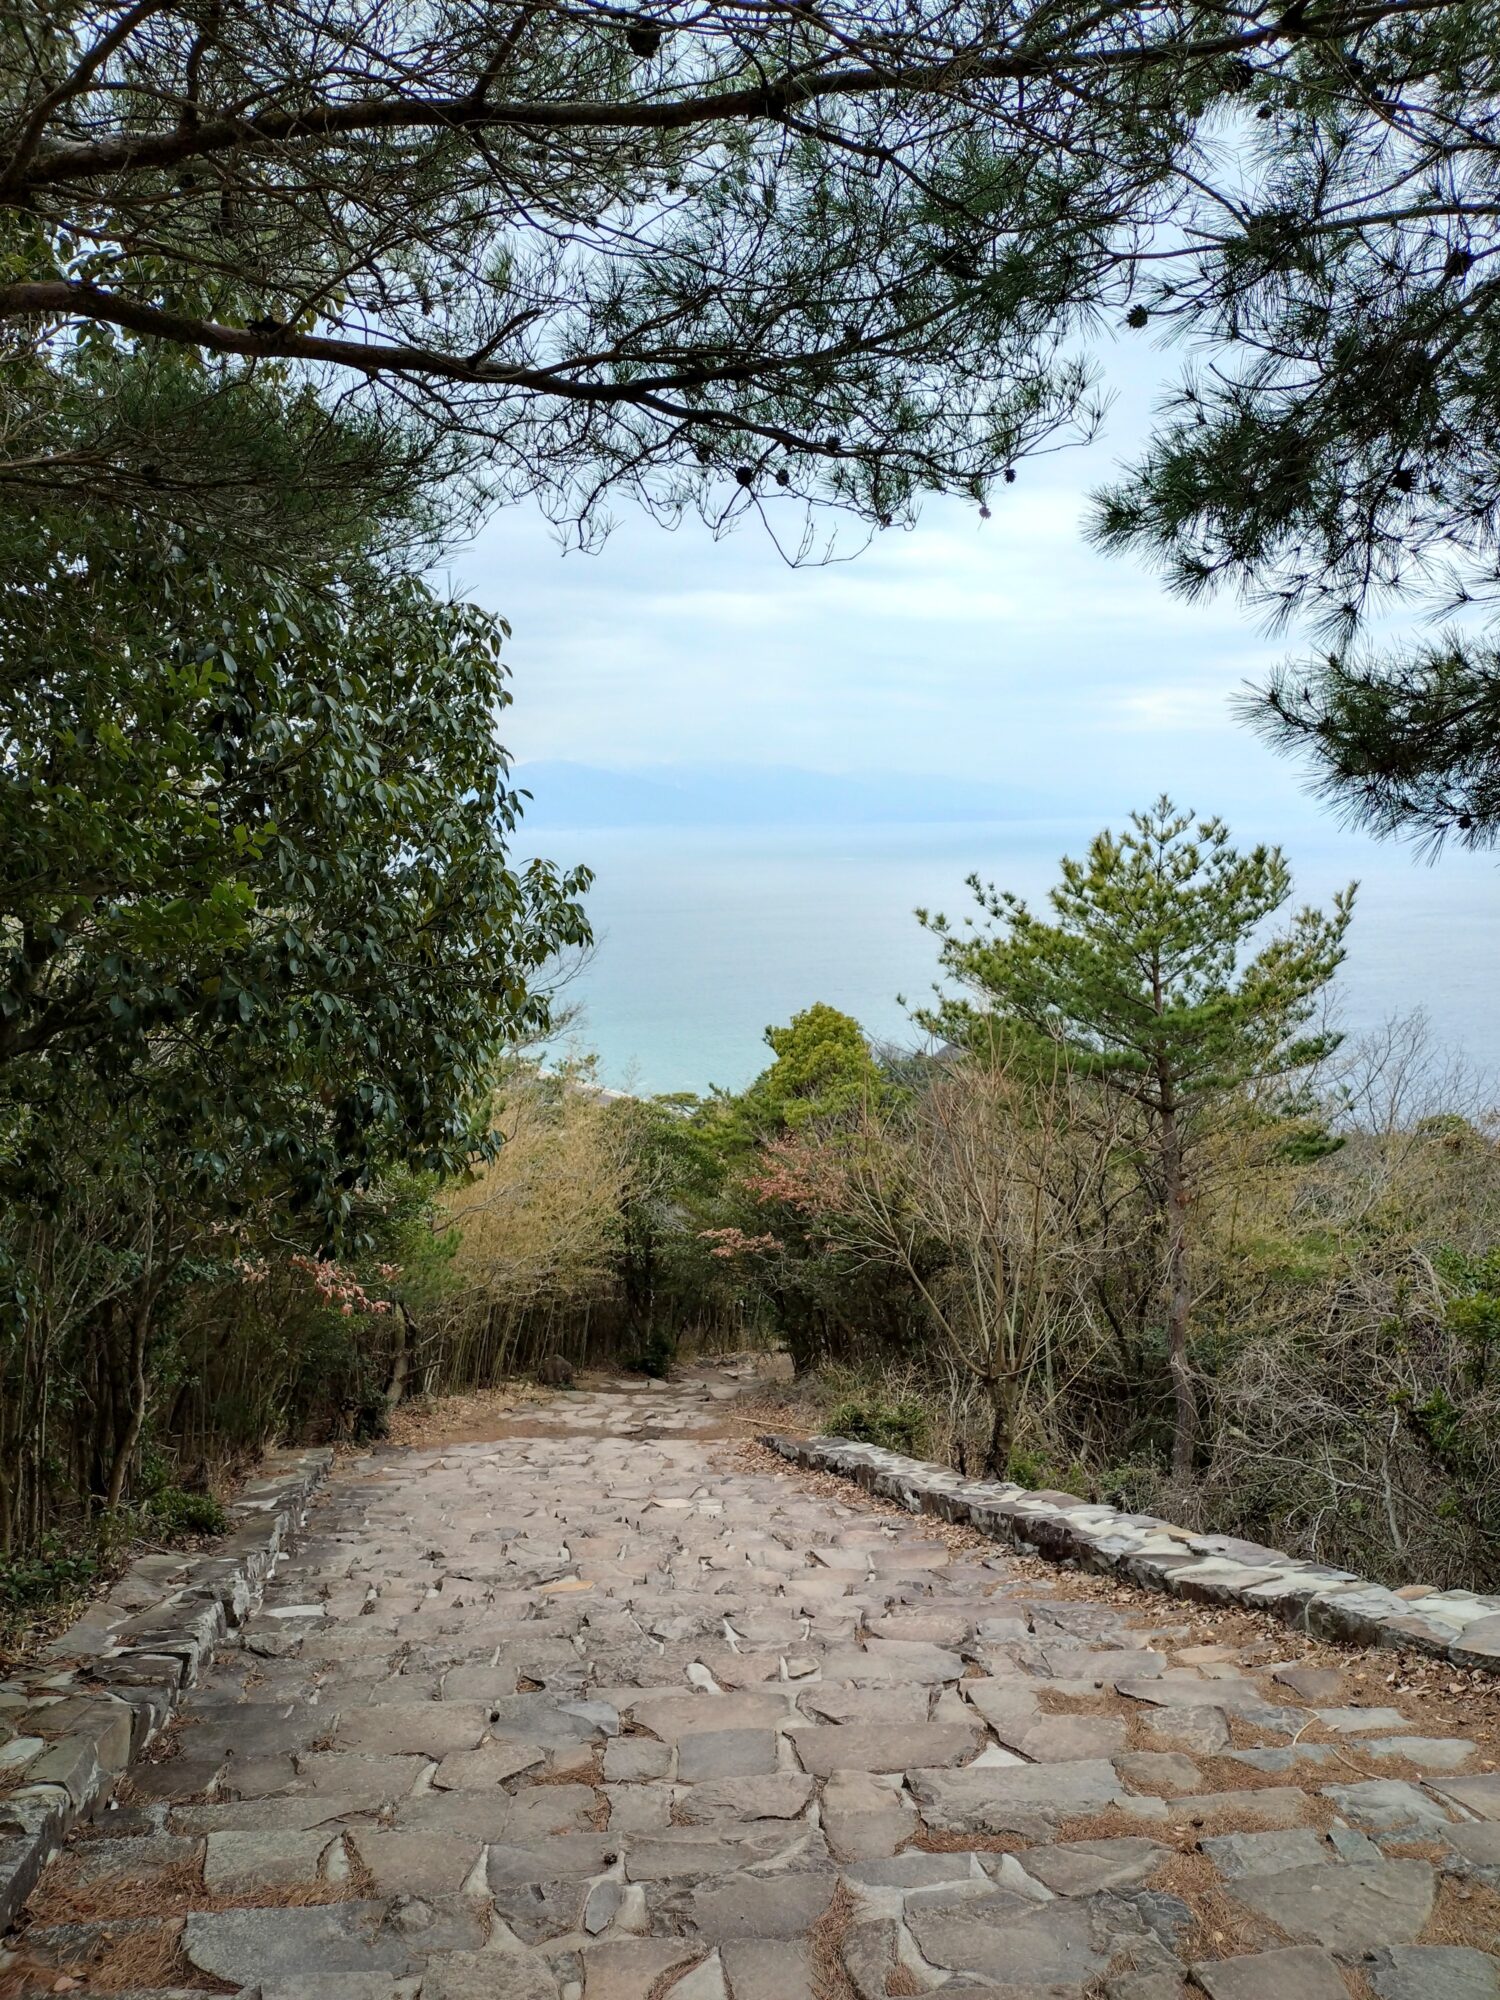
(606, 1714)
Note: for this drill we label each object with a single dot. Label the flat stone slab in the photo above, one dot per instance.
(732, 1800)
(1299, 1973)
(887, 1662)
(673, 1716)
(246, 1946)
(428, 1728)
(1387, 1805)
(634, 1968)
(1085, 1867)
(489, 1975)
(240, 1863)
(1480, 1796)
(775, 1906)
(767, 1969)
(1028, 1798)
(864, 1747)
(726, 1753)
(1347, 1909)
(1056, 1739)
(1435, 1972)
(484, 1770)
(1062, 1946)
(1239, 1854)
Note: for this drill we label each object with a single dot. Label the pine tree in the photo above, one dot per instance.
(1143, 979)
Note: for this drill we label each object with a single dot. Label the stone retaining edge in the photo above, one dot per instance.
(1455, 1625)
(73, 1721)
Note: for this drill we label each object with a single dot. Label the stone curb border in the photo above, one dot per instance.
(72, 1722)
(1455, 1625)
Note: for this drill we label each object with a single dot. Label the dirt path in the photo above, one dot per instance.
(602, 1708)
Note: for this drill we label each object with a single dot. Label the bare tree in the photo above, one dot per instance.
(976, 1192)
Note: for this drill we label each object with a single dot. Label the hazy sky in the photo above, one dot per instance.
(1001, 654)
(1003, 650)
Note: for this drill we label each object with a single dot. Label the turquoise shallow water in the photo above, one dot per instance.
(708, 934)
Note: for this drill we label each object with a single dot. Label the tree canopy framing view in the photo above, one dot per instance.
(728, 256)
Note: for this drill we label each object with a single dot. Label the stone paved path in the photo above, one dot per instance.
(603, 1715)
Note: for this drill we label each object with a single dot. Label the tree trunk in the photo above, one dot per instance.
(135, 1412)
(1001, 1390)
(1178, 1296)
(395, 1386)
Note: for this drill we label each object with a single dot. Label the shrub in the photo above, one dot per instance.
(901, 1426)
(175, 1512)
(49, 1575)
(657, 1353)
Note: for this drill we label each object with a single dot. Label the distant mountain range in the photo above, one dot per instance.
(581, 795)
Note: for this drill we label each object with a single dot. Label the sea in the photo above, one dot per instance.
(707, 935)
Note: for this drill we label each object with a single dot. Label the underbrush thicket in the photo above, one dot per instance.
(1345, 1314)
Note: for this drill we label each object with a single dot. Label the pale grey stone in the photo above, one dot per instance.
(1030, 1799)
(634, 1968)
(1312, 1684)
(633, 1760)
(1085, 1867)
(1300, 1973)
(1351, 1845)
(1480, 1796)
(240, 1862)
(863, 1747)
(493, 1974)
(1348, 1908)
(1360, 1721)
(1012, 1943)
(726, 1753)
(833, 1701)
(1162, 1771)
(767, 1969)
(1428, 1753)
(429, 1729)
(1387, 1805)
(1435, 1972)
(424, 1864)
(784, 1905)
(1065, 1738)
(868, 1952)
(484, 1770)
(785, 1795)
(246, 1946)
(1202, 1730)
(884, 1662)
(1239, 1854)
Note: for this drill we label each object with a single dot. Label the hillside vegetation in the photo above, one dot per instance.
(1136, 1224)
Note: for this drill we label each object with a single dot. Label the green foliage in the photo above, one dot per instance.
(1142, 979)
(1404, 743)
(823, 1067)
(255, 842)
(175, 1512)
(55, 1571)
(655, 1355)
(1147, 984)
(1472, 1307)
(261, 943)
(903, 1426)
(1035, 1470)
